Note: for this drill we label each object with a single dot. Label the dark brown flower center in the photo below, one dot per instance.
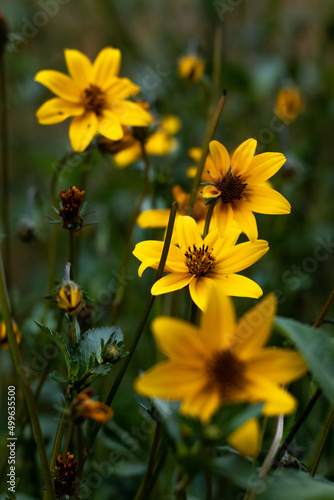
(231, 188)
(227, 373)
(200, 261)
(94, 99)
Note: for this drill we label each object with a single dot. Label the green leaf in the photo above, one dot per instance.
(294, 484)
(317, 348)
(58, 377)
(236, 468)
(60, 342)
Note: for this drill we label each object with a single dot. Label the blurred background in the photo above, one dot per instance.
(262, 46)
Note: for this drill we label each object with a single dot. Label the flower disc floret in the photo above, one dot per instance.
(200, 261)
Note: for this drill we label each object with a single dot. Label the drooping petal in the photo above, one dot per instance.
(244, 216)
(121, 88)
(218, 323)
(106, 66)
(240, 256)
(264, 166)
(179, 340)
(153, 249)
(82, 131)
(210, 192)
(154, 218)
(254, 328)
(61, 85)
(109, 126)
(242, 157)
(202, 404)
(265, 200)
(246, 439)
(188, 233)
(79, 67)
(169, 380)
(277, 400)
(150, 262)
(280, 365)
(127, 156)
(171, 282)
(56, 110)
(131, 114)
(199, 289)
(236, 285)
(220, 157)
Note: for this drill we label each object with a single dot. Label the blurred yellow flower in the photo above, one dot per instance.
(69, 298)
(199, 262)
(3, 335)
(238, 183)
(85, 407)
(289, 103)
(222, 362)
(191, 67)
(94, 95)
(159, 143)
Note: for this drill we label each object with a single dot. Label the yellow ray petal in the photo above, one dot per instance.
(220, 157)
(154, 218)
(130, 113)
(127, 156)
(254, 328)
(264, 166)
(82, 131)
(171, 282)
(158, 143)
(151, 262)
(246, 439)
(153, 249)
(202, 404)
(244, 216)
(236, 285)
(265, 200)
(57, 110)
(60, 84)
(106, 66)
(109, 126)
(79, 67)
(242, 157)
(240, 256)
(121, 88)
(277, 400)
(199, 290)
(279, 365)
(210, 192)
(169, 380)
(223, 217)
(171, 124)
(218, 322)
(180, 341)
(188, 233)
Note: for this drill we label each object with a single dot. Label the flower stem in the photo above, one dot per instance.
(73, 330)
(71, 252)
(324, 311)
(209, 136)
(321, 448)
(208, 219)
(150, 466)
(127, 250)
(26, 389)
(143, 320)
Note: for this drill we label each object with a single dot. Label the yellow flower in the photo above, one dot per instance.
(238, 185)
(191, 67)
(94, 95)
(289, 103)
(3, 335)
(159, 143)
(222, 361)
(69, 298)
(199, 262)
(85, 407)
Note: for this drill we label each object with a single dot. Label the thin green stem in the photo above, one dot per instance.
(194, 315)
(324, 311)
(71, 252)
(68, 438)
(143, 320)
(81, 460)
(208, 482)
(217, 59)
(73, 331)
(208, 138)
(321, 448)
(151, 461)
(26, 389)
(128, 243)
(208, 219)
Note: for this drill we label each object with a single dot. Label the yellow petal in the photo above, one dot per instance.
(121, 88)
(82, 131)
(57, 110)
(236, 285)
(79, 67)
(265, 200)
(220, 157)
(109, 126)
(127, 156)
(254, 328)
(280, 365)
(188, 233)
(240, 256)
(203, 404)
(153, 249)
(158, 143)
(210, 192)
(246, 439)
(244, 216)
(277, 400)
(242, 157)
(106, 66)
(223, 217)
(218, 323)
(131, 114)
(171, 124)
(180, 341)
(171, 282)
(60, 84)
(151, 262)
(264, 166)
(169, 380)
(199, 290)
(154, 218)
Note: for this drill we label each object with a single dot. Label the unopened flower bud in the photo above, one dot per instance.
(71, 200)
(64, 475)
(69, 298)
(111, 353)
(191, 68)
